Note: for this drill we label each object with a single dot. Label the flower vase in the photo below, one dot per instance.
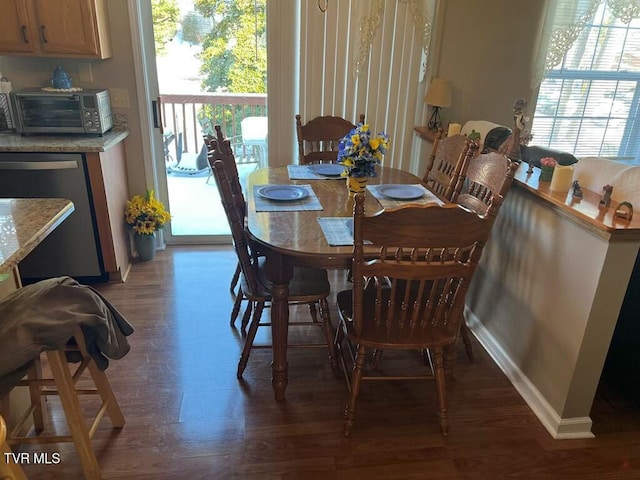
(145, 245)
(356, 185)
(546, 173)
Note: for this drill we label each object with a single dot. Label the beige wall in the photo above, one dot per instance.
(487, 50)
(545, 301)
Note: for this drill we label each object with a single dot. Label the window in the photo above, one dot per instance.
(588, 103)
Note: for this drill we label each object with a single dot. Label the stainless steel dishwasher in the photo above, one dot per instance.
(73, 248)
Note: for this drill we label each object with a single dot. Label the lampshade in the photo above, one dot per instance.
(439, 93)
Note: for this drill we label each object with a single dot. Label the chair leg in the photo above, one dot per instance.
(246, 317)
(356, 380)
(329, 335)
(466, 339)
(236, 307)
(440, 390)
(8, 469)
(235, 278)
(73, 414)
(251, 335)
(313, 312)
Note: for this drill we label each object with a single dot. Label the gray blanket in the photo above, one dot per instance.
(44, 316)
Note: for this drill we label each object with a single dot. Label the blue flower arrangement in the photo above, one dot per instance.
(360, 151)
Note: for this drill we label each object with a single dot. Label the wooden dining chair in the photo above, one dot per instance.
(219, 148)
(318, 138)
(308, 286)
(487, 180)
(411, 271)
(447, 163)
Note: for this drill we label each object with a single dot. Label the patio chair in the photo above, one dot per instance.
(189, 163)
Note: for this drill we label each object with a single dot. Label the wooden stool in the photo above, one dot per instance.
(63, 383)
(8, 470)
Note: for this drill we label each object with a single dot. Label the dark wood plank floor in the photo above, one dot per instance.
(189, 418)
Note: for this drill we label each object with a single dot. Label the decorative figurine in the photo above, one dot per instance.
(627, 213)
(60, 79)
(577, 189)
(605, 201)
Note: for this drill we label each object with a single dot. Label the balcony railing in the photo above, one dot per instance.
(195, 115)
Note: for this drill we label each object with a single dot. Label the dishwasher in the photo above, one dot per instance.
(73, 248)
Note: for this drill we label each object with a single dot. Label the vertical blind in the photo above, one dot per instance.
(387, 88)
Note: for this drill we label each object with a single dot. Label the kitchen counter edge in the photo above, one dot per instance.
(14, 142)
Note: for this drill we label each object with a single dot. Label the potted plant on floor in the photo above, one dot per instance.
(145, 216)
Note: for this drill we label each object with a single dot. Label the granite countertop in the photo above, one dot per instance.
(24, 223)
(14, 142)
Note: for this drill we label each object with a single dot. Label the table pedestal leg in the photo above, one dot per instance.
(279, 272)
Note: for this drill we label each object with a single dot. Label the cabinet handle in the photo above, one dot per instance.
(43, 34)
(25, 39)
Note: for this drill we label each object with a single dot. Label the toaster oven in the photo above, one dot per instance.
(38, 110)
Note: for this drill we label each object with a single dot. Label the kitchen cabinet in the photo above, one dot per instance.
(108, 180)
(55, 28)
(104, 159)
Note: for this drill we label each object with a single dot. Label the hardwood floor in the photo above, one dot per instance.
(188, 417)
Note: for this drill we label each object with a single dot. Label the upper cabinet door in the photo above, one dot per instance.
(67, 26)
(55, 28)
(16, 27)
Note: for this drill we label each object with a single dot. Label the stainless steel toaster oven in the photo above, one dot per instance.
(38, 110)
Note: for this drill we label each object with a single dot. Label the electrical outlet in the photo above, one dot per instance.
(84, 73)
(119, 97)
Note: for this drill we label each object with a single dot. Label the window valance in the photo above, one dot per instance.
(564, 20)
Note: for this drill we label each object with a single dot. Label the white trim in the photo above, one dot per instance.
(143, 92)
(558, 427)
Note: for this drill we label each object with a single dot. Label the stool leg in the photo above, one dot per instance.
(35, 392)
(8, 468)
(106, 393)
(73, 414)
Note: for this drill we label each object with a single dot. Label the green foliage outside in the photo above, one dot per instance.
(234, 54)
(166, 16)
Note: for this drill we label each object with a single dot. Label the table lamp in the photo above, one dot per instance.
(438, 96)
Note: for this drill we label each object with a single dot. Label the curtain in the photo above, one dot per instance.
(564, 19)
(365, 57)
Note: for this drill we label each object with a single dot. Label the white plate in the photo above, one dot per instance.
(401, 192)
(327, 169)
(283, 193)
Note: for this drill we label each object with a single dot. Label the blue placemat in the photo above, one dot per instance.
(303, 172)
(429, 197)
(265, 205)
(337, 230)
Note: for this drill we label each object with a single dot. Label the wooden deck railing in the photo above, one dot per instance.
(195, 115)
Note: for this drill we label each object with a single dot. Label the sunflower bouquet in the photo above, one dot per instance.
(360, 151)
(145, 215)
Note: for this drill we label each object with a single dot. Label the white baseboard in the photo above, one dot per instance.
(558, 427)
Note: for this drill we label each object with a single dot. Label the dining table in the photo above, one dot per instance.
(291, 236)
